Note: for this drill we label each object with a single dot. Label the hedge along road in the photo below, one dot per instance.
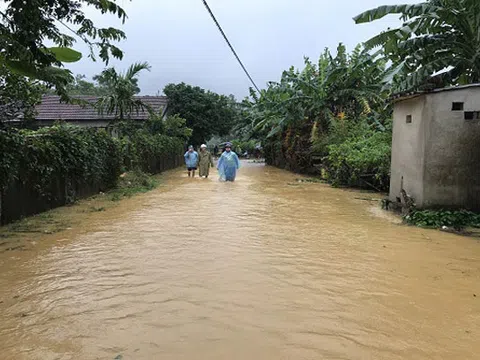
(264, 268)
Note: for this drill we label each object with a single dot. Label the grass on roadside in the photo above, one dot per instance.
(132, 183)
(46, 223)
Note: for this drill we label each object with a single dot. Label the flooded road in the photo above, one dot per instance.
(264, 268)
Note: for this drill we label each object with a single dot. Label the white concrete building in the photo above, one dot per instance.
(436, 148)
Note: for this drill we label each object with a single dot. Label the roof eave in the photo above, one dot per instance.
(413, 94)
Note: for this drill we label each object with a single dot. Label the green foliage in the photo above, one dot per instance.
(64, 54)
(362, 159)
(345, 84)
(121, 90)
(26, 27)
(18, 97)
(79, 156)
(330, 115)
(40, 158)
(144, 150)
(80, 86)
(131, 183)
(206, 113)
(240, 146)
(437, 44)
(457, 220)
(176, 126)
(144, 144)
(311, 180)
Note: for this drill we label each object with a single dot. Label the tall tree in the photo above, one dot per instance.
(121, 90)
(27, 26)
(206, 112)
(438, 43)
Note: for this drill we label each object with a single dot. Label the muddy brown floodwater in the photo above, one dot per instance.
(264, 268)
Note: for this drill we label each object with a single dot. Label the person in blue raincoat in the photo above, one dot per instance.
(228, 164)
(191, 160)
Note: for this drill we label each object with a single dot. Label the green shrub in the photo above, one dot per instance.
(54, 163)
(38, 158)
(440, 218)
(146, 149)
(133, 182)
(241, 146)
(361, 159)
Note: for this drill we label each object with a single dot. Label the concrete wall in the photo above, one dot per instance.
(408, 147)
(438, 154)
(452, 151)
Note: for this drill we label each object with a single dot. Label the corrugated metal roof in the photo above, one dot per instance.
(52, 109)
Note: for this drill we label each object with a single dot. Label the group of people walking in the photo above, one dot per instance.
(227, 164)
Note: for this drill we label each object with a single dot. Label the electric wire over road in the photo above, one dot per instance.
(230, 45)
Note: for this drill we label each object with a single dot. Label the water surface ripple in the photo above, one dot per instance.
(265, 268)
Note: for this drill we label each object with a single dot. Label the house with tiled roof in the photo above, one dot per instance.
(51, 110)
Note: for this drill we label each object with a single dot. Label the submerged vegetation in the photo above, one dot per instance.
(132, 183)
(456, 220)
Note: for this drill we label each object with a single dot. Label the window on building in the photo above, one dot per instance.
(472, 115)
(409, 119)
(457, 106)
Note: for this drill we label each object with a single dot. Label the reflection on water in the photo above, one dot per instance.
(257, 269)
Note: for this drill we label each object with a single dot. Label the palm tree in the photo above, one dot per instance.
(437, 45)
(122, 87)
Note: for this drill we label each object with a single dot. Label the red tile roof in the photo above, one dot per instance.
(52, 109)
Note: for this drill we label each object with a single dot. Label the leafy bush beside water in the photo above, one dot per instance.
(332, 115)
(457, 220)
(362, 159)
(84, 155)
(38, 158)
(59, 164)
(131, 183)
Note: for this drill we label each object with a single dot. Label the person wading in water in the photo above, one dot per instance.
(191, 160)
(205, 161)
(228, 164)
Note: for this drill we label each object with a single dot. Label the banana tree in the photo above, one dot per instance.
(438, 43)
(335, 86)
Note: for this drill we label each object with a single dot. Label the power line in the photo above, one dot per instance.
(229, 44)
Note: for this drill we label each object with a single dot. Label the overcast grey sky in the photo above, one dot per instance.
(180, 41)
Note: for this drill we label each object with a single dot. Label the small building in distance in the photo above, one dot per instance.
(436, 148)
(51, 110)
